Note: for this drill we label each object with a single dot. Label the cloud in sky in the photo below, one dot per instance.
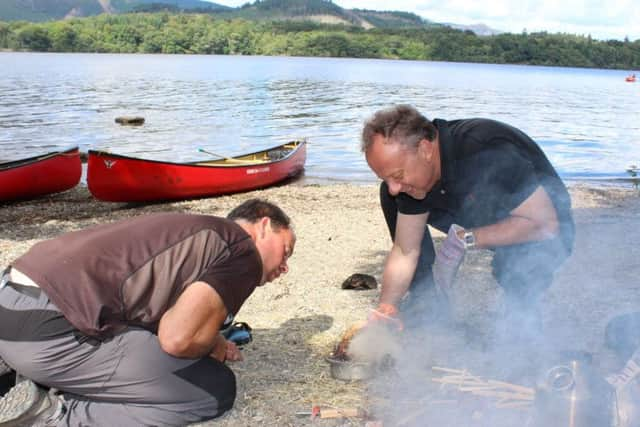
(615, 19)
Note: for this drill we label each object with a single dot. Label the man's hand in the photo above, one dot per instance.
(224, 350)
(219, 350)
(233, 353)
(448, 259)
(386, 314)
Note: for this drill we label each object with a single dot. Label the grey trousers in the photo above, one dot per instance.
(126, 381)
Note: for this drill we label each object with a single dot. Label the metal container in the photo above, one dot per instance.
(627, 406)
(571, 394)
(349, 370)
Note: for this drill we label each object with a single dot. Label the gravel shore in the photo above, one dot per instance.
(297, 319)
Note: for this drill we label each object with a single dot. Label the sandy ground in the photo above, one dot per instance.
(298, 319)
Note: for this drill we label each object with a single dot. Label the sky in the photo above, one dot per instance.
(603, 20)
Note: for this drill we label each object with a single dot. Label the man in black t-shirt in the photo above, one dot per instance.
(484, 183)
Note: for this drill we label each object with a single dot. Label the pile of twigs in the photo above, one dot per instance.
(506, 395)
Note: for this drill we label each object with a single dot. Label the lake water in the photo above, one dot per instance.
(586, 120)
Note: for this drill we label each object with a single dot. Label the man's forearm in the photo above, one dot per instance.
(396, 278)
(513, 230)
(533, 220)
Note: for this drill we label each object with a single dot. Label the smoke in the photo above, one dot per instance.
(514, 313)
(482, 328)
(376, 344)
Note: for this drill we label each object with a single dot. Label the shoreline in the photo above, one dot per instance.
(298, 319)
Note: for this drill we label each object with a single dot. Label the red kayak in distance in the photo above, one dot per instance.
(118, 178)
(40, 175)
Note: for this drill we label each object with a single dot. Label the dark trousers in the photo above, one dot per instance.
(524, 271)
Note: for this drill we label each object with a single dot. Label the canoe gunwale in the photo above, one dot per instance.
(13, 164)
(200, 163)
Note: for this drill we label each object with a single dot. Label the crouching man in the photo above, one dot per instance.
(122, 321)
(485, 183)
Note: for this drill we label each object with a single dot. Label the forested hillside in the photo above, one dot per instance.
(51, 10)
(321, 11)
(206, 34)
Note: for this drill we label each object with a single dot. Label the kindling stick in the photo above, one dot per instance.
(519, 388)
(508, 395)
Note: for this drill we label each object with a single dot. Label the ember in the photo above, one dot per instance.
(340, 352)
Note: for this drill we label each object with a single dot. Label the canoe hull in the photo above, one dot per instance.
(41, 175)
(116, 178)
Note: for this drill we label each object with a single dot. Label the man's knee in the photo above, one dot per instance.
(226, 395)
(214, 378)
(526, 271)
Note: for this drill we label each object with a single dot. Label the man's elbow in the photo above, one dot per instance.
(174, 345)
(550, 229)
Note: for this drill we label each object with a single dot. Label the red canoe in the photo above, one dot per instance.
(117, 178)
(40, 175)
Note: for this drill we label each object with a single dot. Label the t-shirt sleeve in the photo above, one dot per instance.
(235, 277)
(407, 205)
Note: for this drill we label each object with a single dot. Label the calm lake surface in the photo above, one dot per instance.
(586, 120)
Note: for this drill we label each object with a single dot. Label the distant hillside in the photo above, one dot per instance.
(325, 11)
(51, 10)
(321, 11)
(392, 19)
(47, 10)
(124, 6)
(274, 10)
(477, 29)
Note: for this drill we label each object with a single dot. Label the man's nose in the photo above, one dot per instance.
(284, 268)
(394, 187)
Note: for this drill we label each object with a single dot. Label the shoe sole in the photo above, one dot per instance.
(21, 404)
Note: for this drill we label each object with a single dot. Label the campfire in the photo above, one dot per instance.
(341, 350)
(406, 391)
(363, 352)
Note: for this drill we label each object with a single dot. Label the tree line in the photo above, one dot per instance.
(171, 33)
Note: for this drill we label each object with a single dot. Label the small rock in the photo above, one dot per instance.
(360, 281)
(130, 120)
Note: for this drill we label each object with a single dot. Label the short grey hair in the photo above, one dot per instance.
(402, 123)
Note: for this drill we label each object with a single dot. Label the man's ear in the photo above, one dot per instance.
(426, 148)
(264, 225)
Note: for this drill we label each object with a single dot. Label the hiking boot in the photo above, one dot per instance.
(27, 405)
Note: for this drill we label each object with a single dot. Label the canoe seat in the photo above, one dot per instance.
(232, 162)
